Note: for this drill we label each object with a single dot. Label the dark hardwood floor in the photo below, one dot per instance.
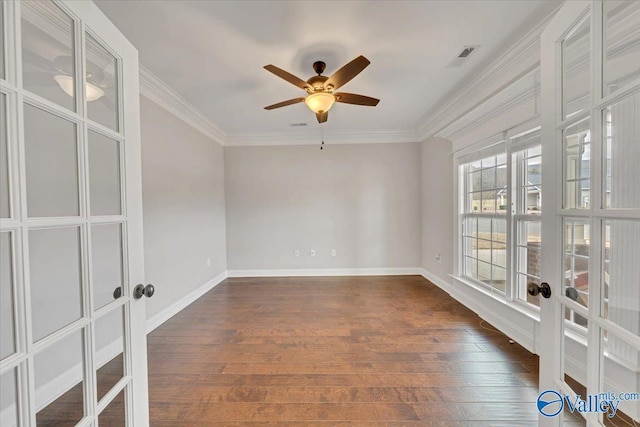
(362, 351)
(348, 351)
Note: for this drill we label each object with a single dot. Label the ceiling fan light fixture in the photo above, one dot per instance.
(320, 102)
(67, 84)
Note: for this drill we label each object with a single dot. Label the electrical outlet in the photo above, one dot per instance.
(333, 252)
(296, 252)
(208, 262)
(313, 252)
(439, 257)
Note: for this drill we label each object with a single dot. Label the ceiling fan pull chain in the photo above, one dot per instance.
(321, 136)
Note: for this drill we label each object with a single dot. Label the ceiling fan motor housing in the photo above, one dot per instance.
(317, 82)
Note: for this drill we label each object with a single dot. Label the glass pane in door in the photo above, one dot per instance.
(619, 378)
(9, 398)
(59, 381)
(102, 88)
(621, 274)
(48, 67)
(55, 275)
(7, 314)
(104, 175)
(52, 164)
(575, 349)
(576, 68)
(115, 413)
(2, 51)
(5, 211)
(106, 254)
(621, 56)
(621, 129)
(577, 240)
(577, 166)
(109, 350)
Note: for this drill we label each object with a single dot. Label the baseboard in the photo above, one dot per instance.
(499, 313)
(403, 271)
(166, 314)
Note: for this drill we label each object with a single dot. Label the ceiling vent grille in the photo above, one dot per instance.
(462, 56)
(466, 52)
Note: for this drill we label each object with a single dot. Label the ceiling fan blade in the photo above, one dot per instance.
(284, 103)
(352, 98)
(288, 76)
(322, 117)
(346, 73)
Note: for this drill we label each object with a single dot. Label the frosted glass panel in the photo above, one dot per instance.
(7, 318)
(106, 259)
(48, 67)
(4, 160)
(109, 350)
(55, 279)
(576, 67)
(52, 164)
(621, 44)
(621, 129)
(104, 175)
(102, 94)
(9, 398)
(63, 359)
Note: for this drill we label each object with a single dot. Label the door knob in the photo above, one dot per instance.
(544, 289)
(117, 292)
(141, 290)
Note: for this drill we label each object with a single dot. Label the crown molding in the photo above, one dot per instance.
(516, 95)
(162, 94)
(518, 61)
(311, 138)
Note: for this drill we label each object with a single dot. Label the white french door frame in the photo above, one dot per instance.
(87, 19)
(552, 323)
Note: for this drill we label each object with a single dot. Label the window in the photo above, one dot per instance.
(485, 222)
(501, 212)
(527, 225)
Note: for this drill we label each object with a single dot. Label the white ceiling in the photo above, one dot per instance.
(212, 53)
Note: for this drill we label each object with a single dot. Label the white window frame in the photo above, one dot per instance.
(511, 143)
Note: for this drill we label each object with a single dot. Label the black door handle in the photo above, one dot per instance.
(117, 292)
(544, 289)
(141, 290)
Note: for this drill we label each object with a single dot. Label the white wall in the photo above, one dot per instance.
(362, 200)
(437, 207)
(183, 203)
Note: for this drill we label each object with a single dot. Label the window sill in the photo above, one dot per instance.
(521, 308)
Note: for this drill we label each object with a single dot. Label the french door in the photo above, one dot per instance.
(590, 326)
(73, 342)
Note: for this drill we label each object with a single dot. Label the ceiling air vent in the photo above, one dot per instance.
(297, 125)
(462, 56)
(466, 52)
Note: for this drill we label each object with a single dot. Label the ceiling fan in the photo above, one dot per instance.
(41, 72)
(321, 89)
